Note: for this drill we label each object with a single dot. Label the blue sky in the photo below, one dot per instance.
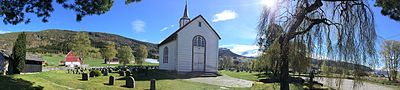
(154, 20)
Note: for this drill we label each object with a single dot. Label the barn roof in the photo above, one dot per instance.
(33, 57)
(70, 57)
(173, 36)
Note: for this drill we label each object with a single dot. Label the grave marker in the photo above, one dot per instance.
(130, 82)
(153, 84)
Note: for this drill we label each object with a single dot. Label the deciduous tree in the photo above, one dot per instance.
(141, 54)
(125, 55)
(391, 54)
(81, 44)
(109, 51)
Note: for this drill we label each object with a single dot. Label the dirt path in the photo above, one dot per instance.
(224, 80)
(348, 84)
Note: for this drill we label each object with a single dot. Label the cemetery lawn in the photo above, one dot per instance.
(55, 80)
(54, 59)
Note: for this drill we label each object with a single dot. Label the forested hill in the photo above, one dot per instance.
(58, 41)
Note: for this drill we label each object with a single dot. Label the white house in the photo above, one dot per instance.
(192, 48)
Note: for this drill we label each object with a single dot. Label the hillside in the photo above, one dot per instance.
(226, 52)
(57, 41)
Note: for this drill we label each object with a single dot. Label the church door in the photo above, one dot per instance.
(199, 47)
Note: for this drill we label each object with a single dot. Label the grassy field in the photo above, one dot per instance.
(54, 59)
(60, 80)
(55, 80)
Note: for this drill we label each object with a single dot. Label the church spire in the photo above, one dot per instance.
(185, 18)
(185, 13)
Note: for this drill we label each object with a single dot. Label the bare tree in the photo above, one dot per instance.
(391, 53)
(340, 29)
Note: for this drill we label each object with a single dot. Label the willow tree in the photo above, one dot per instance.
(340, 29)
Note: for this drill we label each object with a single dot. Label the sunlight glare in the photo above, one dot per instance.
(268, 3)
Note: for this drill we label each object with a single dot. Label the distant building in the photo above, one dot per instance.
(113, 61)
(4, 58)
(71, 60)
(33, 63)
(192, 48)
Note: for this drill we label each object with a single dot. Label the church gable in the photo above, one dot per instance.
(201, 23)
(195, 22)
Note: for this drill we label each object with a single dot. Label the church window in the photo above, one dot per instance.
(199, 41)
(165, 55)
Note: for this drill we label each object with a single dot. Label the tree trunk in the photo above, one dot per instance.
(284, 78)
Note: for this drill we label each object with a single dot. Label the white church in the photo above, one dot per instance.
(191, 48)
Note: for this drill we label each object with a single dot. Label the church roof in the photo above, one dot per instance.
(173, 36)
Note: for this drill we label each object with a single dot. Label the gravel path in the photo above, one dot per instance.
(348, 85)
(225, 81)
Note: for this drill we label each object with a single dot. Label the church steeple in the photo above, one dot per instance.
(185, 13)
(185, 18)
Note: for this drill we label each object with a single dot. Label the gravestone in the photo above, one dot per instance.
(153, 84)
(105, 73)
(121, 73)
(128, 73)
(85, 76)
(92, 74)
(109, 70)
(130, 82)
(111, 80)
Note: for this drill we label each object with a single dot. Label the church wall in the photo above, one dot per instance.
(185, 38)
(171, 58)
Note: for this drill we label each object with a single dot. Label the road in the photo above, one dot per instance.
(348, 84)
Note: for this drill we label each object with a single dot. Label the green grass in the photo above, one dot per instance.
(56, 80)
(54, 59)
(242, 75)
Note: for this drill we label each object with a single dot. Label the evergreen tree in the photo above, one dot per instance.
(125, 55)
(390, 8)
(18, 55)
(14, 11)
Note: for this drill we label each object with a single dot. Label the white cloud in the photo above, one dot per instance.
(3, 31)
(166, 28)
(225, 15)
(138, 25)
(245, 50)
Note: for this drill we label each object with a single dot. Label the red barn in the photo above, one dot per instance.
(72, 60)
